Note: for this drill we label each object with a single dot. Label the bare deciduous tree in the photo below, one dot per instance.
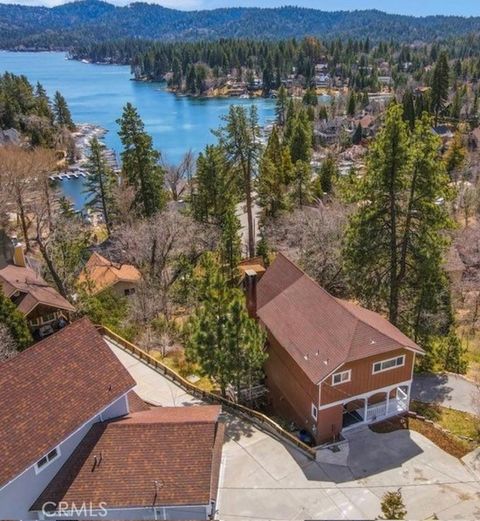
(313, 236)
(8, 348)
(178, 177)
(24, 178)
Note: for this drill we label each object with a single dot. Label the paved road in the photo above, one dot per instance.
(263, 478)
(447, 390)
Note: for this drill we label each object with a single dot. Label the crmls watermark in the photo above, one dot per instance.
(63, 508)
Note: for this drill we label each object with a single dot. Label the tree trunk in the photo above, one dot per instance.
(51, 268)
(23, 222)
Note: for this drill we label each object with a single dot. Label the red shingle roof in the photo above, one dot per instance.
(53, 388)
(179, 448)
(318, 330)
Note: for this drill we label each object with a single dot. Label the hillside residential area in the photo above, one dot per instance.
(239, 261)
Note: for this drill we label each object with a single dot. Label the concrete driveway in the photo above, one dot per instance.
(263, 478)
(266, 479)
(449, 390)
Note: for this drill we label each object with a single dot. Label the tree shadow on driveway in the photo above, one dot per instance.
(431, 388)
(367, 453)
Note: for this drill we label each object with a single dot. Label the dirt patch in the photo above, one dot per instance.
(447, 442)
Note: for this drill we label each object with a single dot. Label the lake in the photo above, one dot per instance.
(97, 93)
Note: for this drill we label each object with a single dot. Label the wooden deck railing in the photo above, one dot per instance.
(254, 416)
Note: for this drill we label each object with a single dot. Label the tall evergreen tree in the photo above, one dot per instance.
(301, 138)
(99, 184)
(240, 140)
(409, 108)
(395, 238)
(439, 85)
(230, 244)
(281, 106)
(214, 188)
(140, 163)
(222, 338)
(63, 117)
(351, 104)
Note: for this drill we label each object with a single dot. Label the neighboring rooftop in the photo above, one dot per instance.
(100, 273)
(34, 290)
(51, 389)
(163, 456)
(319, 331)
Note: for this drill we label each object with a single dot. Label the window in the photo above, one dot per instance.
(342, 377)
(129, 291)
(391, 363)
(46, 460)
(314, 412)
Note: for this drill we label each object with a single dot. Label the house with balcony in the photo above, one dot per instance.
(332, 365)
(78, 443)
(44, 308)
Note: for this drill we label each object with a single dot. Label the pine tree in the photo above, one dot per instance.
(409, 108)
(99, 184)
(230, 244)
(301, 138)
(281, 106)
(328, 172)
(440, 83)
(63, 117)
(452, 353)
(272, 179)
(351, 105)
(214, 188)
(15, 322)
(393, 506)
(302, 184)
(140, 163)
(357, 135)
(395, 239)
(240, 140)
(222, 338)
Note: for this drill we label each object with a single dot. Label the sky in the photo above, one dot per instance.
(411, 7)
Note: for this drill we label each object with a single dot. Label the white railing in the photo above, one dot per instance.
(379, 410)
(376, 411)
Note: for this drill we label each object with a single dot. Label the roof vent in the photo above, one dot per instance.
(305, 356)
(372, 342)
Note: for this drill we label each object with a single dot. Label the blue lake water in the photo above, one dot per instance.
(97, 93)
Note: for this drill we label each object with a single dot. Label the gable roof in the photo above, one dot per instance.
(100, 273)
(178, 448)
(53, 388)
(319, 331)
(36, 290)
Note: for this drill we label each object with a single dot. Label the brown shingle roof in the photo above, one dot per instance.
(100, 273)
(26, 280)
(318, 330)
(53, 388)
(177, 447)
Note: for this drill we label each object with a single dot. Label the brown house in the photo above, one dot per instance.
(332, 365)
(100, 274)
(44, 308)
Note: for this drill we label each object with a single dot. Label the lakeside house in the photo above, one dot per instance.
(100, 274)
(332, 365)
(44, 308)
(74, 433)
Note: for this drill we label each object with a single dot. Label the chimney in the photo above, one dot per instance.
(19, 256)
(250, 284)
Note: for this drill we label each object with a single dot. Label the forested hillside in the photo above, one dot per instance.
(93, 20)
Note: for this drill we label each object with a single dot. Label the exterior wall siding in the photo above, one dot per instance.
(17, 497)
(363, 381)
(290, 390)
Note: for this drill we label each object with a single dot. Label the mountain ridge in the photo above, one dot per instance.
(68, 24)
